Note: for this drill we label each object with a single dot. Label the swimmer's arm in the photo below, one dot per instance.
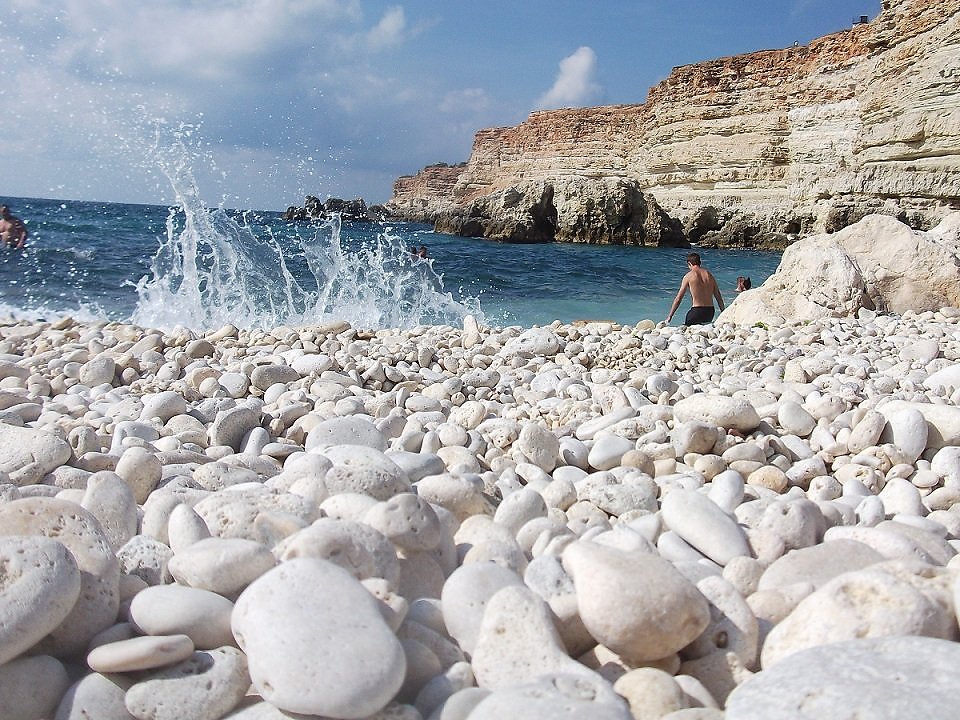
(678, 298)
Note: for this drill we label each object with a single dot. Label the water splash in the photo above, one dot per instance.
(215, 267)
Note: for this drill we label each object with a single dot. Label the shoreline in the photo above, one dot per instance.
(616, 520)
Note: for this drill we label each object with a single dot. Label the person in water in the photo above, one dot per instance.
(703, 288)
(13, 231)
(422, 253)
(743, 283)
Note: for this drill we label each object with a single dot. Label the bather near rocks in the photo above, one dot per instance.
(877, 265)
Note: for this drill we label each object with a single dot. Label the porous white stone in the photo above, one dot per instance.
(885, 677)
(204, 686)
(97, 604)
(518, 641)
(720, 410)
(39, 584)
(892, 598)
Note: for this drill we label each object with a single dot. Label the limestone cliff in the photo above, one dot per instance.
(763, 147)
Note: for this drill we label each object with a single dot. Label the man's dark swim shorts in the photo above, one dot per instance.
(699, 315)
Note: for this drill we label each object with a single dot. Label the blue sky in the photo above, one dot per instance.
(268, 100)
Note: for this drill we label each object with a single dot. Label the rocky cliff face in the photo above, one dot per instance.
(765, 147)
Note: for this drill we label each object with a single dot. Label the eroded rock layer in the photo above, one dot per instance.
(761, 148)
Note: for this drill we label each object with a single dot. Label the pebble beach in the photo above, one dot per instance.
(585, 520)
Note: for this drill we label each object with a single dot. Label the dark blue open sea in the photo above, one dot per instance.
(199, 267)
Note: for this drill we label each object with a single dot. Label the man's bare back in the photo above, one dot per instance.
(703, 288)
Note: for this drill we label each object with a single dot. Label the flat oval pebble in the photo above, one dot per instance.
(704, 525)
(318, 653)
(551, 696)
(173, 609)
(139, 653)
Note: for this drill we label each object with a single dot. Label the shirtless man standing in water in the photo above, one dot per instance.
(13, 232)
(703, 288)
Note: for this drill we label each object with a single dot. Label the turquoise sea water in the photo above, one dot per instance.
(201, 268)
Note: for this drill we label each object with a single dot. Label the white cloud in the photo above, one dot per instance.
(468, 99)
(575, 85)
(389, 32)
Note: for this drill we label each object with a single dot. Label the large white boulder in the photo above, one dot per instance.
(878, 263)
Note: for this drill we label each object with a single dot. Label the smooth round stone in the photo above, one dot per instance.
(946, 463)
(704, 525)
(313, 363)
(889, 677)
(518, 641)
(39, 584)
(98, 370)
(733, 626)
(621, 596)
(901, 496)
(142, 470)
(726, 490)
(229, 427)
(358, 548)
(794, 419)
(112, 502)
(326, 653)
(185, 527)
(173, 609)
(536, 341)
(31, 687)
(408, 521)
(650, 692)
(345, 431)
(694, 437)
(27, 454)
(720, 410)
(460, 494)
(465, 596)
(867, 432)
(95, 696)
(942, 421)
(163, 405)
(365, 470)
(139, 653)
(99, 599)
(222, 565)
(263, 376)
(205, 686)
(551, 696)
(607, 450)
(539, 445)
(818, 564)
(518, 508)
(893, 598)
